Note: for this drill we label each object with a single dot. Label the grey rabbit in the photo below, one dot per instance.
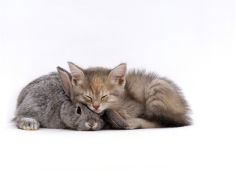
(48, 102)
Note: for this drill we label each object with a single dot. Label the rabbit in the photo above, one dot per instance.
(48, 102)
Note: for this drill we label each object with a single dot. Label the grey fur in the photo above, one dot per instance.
(143, 100)
(162, 99)
(44, 103)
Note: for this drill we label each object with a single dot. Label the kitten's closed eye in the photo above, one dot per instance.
(88, 98)
(103, 97)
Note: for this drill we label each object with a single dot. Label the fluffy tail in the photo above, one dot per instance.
(166, 103)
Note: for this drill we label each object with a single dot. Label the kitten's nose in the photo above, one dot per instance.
(96, 106)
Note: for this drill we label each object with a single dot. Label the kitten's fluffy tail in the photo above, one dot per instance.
(166, 104)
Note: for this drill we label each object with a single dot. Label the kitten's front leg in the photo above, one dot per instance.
(116, 120)
(136, 123)
(120, 122)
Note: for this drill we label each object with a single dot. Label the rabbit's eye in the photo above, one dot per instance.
(78, 110)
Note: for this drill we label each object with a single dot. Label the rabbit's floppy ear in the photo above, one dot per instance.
(66, 81)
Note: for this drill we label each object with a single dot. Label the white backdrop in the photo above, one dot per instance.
(191, 42)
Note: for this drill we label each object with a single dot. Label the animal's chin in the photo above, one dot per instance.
(97, 111)
(86, 129)
(100, 112)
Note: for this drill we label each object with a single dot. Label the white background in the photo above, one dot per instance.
(192, 42)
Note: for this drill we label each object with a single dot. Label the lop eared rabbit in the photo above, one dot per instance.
(48, 102)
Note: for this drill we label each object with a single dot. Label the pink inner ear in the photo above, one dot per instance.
(75, 81)
(76, 76)
(121, 81)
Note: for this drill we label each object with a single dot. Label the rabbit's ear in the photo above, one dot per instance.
(76, 73)
(66, 81)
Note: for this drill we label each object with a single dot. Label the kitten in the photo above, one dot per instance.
(143, 99)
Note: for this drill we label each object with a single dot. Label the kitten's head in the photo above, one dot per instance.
(98, 88)
(76, 115)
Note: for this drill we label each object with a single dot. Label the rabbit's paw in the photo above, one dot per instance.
(28, 124)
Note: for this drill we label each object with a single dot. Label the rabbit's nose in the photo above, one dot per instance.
(91, 124)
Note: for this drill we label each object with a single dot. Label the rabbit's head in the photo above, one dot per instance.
(77, 116)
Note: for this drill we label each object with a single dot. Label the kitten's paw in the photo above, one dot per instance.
(130, 127)
(28, 124)
(116, 120)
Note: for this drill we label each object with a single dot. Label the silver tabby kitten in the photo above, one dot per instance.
(144, 100)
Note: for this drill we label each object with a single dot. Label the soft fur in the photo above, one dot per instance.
(144, 100)
(48, 102)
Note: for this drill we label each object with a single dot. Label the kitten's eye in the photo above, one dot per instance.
(78, 110)
(90, 98)
(103, 97)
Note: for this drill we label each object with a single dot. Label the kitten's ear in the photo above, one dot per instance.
(117, 75)
(76, 73)
(66, 81)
